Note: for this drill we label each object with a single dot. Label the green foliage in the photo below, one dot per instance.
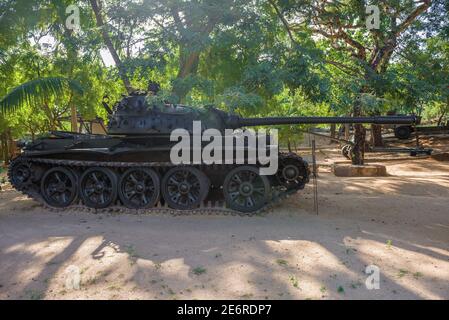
(237, 99)
(36, 92)
(237, 55)
(199, 270)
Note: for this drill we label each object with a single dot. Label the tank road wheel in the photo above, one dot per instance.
(139, 188)
(98, 187)
(245, 190)
(58, 187)
(184, 188)
(20, 175)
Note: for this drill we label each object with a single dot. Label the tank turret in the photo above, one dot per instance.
(133, 115)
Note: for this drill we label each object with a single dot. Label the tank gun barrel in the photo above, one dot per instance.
(251, 122)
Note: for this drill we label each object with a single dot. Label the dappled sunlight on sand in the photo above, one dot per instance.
(414, 267)
(399, 223)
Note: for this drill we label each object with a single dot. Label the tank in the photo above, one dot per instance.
(131, 166)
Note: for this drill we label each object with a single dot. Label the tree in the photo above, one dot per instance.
(355, 51)
(258, 58)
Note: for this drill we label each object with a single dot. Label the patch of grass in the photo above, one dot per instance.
(131, 251)
(389, 244)
(294, 281)
(116, 288)
(157, 265)
(170, 291)
(199, 270)
(355, 285)
(90, 281)
(417, 275)
(282, 262)
(34, 295)
(402, 273)
(323, 289)
(84, 270)
(350, 250)
(340, 289)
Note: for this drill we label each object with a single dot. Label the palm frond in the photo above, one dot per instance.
(36, 91)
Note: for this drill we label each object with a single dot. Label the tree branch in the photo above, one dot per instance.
(412, 17)
(346, 69)
(283, 20)
(108, 42)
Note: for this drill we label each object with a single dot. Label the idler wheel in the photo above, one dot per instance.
(245, 190)
(139, 188)
(291, 173)
(21, 175)
(58, 187)
(184, 188)
(98, 187)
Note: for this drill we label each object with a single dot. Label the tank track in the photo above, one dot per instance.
(31, 190)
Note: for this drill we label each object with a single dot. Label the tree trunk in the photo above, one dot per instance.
(11, 144)
(2, 147)
(73, 118)
(333, 132)
(346, 126)
(5, 149)
(358, 151)
(359, 136)
(376, 135)
(440, 118)
(188, 65)
(108, 42)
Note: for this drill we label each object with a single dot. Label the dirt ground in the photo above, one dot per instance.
(398, 223)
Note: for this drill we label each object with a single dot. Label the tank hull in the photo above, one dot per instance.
(55, 171)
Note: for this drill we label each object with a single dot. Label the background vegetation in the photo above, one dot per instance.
(255, 57)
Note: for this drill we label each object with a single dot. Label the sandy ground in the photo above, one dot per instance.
(399, 223)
